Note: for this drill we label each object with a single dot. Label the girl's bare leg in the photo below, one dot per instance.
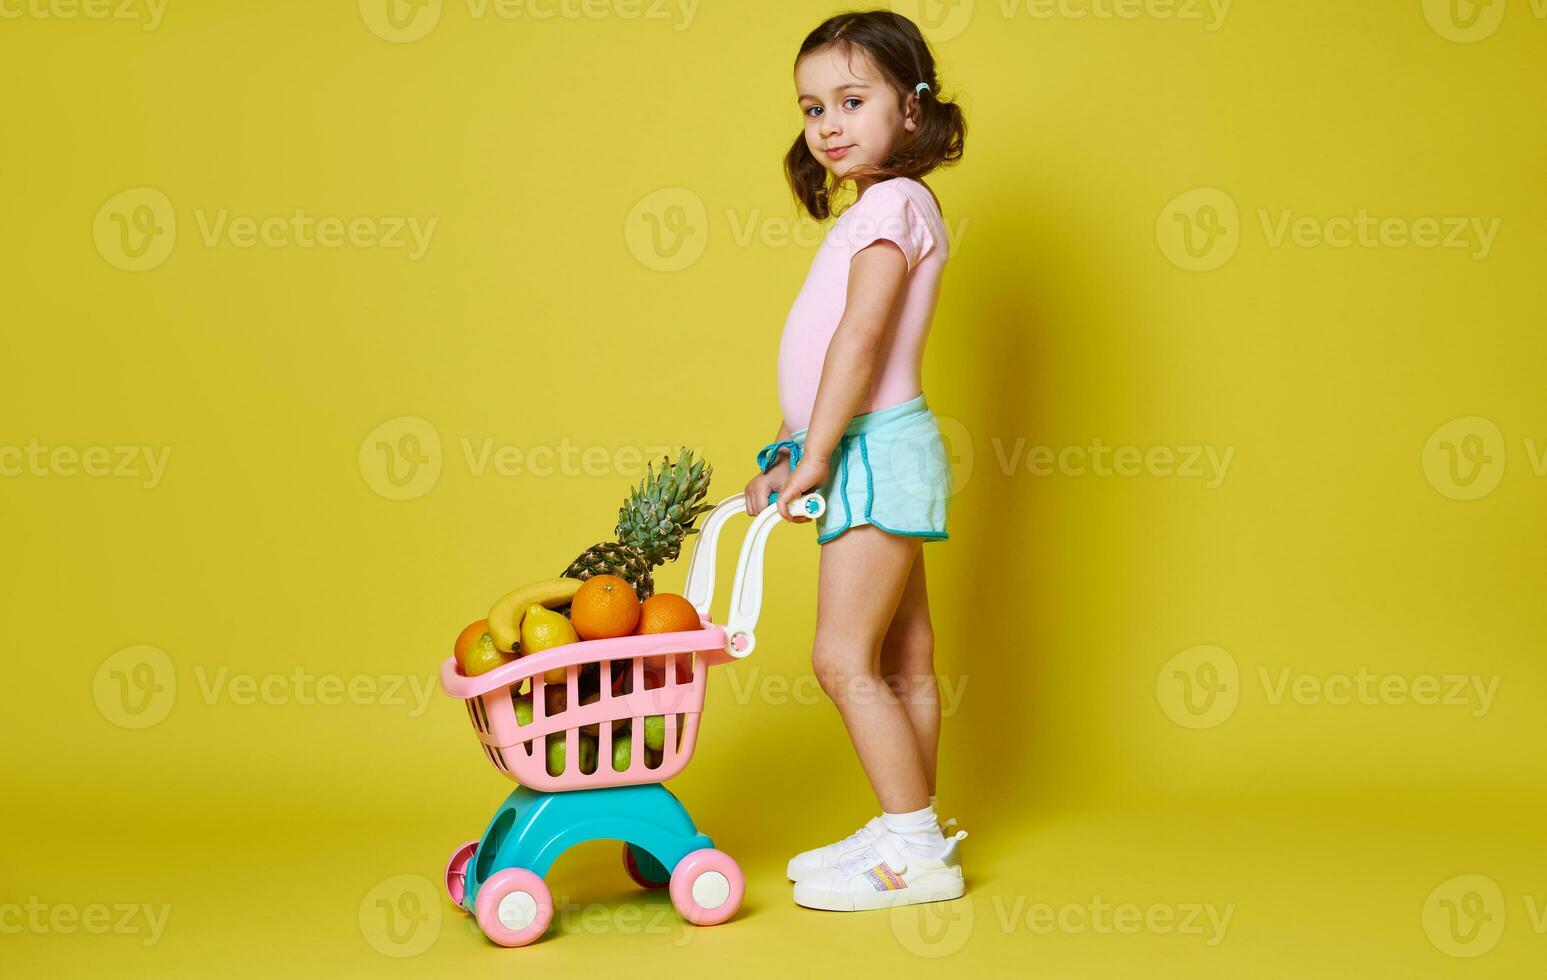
(908, 664)
(863, 573)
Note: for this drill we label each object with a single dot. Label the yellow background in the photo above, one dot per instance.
(544, 314)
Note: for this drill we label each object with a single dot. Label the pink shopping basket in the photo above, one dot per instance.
(664, 674)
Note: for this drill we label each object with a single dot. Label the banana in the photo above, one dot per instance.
(505, 616)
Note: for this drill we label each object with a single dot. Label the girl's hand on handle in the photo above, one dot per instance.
(764, 484)
(811, 474)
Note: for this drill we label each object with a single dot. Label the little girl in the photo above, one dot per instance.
(849, 385)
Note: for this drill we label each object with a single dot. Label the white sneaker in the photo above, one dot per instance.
(819, 859)
(884, 874)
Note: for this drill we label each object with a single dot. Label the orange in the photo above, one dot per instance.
(666, 612)
(605, 605)
(468, 638)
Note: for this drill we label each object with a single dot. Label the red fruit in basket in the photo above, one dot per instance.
(622, 680)
(666, 612)
(605, 606)
(655, 675)
(475, 650)
(591, 698)
(554, 698)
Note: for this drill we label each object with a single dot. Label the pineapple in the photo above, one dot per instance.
(657, 515)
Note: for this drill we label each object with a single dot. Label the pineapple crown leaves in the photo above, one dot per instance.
(661, 511)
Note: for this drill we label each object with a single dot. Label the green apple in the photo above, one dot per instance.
(556, 754)
(655, 732)
(622, 750)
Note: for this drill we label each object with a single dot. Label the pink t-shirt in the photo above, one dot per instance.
(900, 210)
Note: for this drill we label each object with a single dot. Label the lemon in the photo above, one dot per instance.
(543, 629)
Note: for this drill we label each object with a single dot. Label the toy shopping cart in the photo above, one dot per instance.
(499, 877)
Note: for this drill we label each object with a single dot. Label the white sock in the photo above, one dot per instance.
(933, 802)
(920, 830)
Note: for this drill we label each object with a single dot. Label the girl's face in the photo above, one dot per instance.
(852, 114)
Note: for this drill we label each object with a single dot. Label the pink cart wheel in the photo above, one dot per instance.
(631, 865)
(706, 887)
(514, 907)
(456, 871)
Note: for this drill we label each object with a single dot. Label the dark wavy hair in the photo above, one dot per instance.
(896, 46)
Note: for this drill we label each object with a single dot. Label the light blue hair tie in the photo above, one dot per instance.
(920, 87)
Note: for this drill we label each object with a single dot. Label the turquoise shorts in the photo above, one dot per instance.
(889, 470)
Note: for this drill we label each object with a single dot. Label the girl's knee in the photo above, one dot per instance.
(838, 668)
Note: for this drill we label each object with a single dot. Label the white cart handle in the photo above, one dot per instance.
(700, 587)
(747, 590)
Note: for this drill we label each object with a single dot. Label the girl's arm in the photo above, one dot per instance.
(876, 276)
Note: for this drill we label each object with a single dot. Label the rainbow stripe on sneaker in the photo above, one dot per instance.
(884, 879)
